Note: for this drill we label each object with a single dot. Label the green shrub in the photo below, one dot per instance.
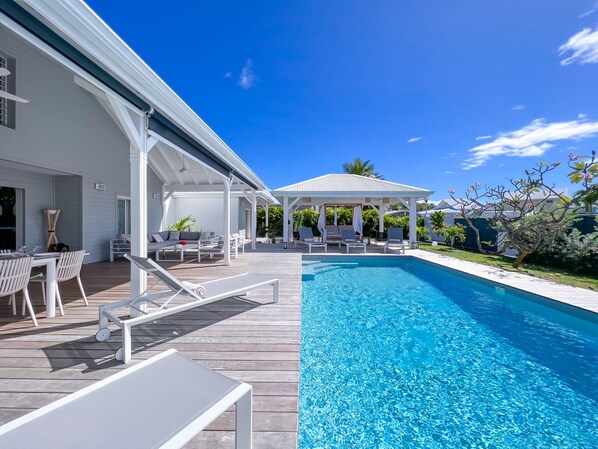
(572, 250)
(184, 224)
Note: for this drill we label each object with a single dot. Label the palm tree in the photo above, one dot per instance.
(362, 168)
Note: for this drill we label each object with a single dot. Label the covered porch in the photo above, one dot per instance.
(103, 139)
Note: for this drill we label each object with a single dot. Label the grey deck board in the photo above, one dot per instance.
(247, 338)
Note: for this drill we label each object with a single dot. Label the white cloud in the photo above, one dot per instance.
(228, 75)
(414, 139)
(531, 140)
(448, 172)
(590, 12)
(483, 137)
(583, 45)
(248, 78)
(518, 107)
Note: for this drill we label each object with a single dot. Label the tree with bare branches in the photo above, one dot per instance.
(517, 212)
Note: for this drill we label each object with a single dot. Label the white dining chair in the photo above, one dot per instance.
(242, 233)
(14, 277)
(67, 268)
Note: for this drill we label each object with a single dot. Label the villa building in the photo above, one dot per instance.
(102, 137)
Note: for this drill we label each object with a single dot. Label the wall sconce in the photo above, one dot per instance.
(156, 196)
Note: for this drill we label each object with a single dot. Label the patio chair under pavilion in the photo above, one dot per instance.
(336, 189)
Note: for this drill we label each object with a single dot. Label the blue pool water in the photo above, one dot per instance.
(402, 354)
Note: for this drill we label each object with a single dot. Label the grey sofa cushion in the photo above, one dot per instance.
(153, 246)
(189, 235)
(174, 235)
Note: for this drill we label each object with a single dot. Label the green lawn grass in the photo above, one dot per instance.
(506, 263)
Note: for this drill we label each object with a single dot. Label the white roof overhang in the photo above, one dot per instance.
(79, 27)
(338, 188)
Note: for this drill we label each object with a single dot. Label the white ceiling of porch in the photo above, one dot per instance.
(175, 168)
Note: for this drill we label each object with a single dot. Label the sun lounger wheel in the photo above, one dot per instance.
(119, 355)
(103, 334)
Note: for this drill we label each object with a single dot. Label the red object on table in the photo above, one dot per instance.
(182, 242)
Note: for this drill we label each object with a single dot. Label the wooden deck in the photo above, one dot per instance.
(247, 338)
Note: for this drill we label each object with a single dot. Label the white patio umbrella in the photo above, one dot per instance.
(358, 220)
(322, 222)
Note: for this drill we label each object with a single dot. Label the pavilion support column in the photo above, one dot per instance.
(335, 217)
(226, 218)
(380, 219)
(412, 223)
(138, 167)
(267, 220)
(253, 219)
(291, 223)
(285, 221)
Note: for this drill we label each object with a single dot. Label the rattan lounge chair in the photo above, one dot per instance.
(179, 297)
(162, 402)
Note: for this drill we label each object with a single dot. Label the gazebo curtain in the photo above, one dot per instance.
(358, 220)
(322, 222)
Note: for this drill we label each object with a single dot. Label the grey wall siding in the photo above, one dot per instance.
(64, 128)
(68, 197)
(154, 206)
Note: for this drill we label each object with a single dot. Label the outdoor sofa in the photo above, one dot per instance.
(158, 241)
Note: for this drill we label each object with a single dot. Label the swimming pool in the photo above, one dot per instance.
(403, 354)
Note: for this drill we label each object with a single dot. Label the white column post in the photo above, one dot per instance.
(253, 219)
(226, 218)
(291, 223)
(267, 220)
(412, 223)
(138, 163)
(380, 218)
(285, 221)
(335, 217)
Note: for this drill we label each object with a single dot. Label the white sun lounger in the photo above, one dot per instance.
(395, 240)
(350, 242)
(162, 402)
(179, 297)
(306, 237)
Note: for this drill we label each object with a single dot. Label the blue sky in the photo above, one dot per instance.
(436, 94)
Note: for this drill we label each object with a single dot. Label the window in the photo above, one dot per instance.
(7, 84)
(123, 216)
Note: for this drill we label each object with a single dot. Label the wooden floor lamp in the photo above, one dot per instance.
(52, 218)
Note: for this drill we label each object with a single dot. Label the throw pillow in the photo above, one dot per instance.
(157, 238)
(174, 235)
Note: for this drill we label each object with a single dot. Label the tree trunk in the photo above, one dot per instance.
(522, 255)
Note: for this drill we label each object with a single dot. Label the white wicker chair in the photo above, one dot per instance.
(68, 267)
(14, 277)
